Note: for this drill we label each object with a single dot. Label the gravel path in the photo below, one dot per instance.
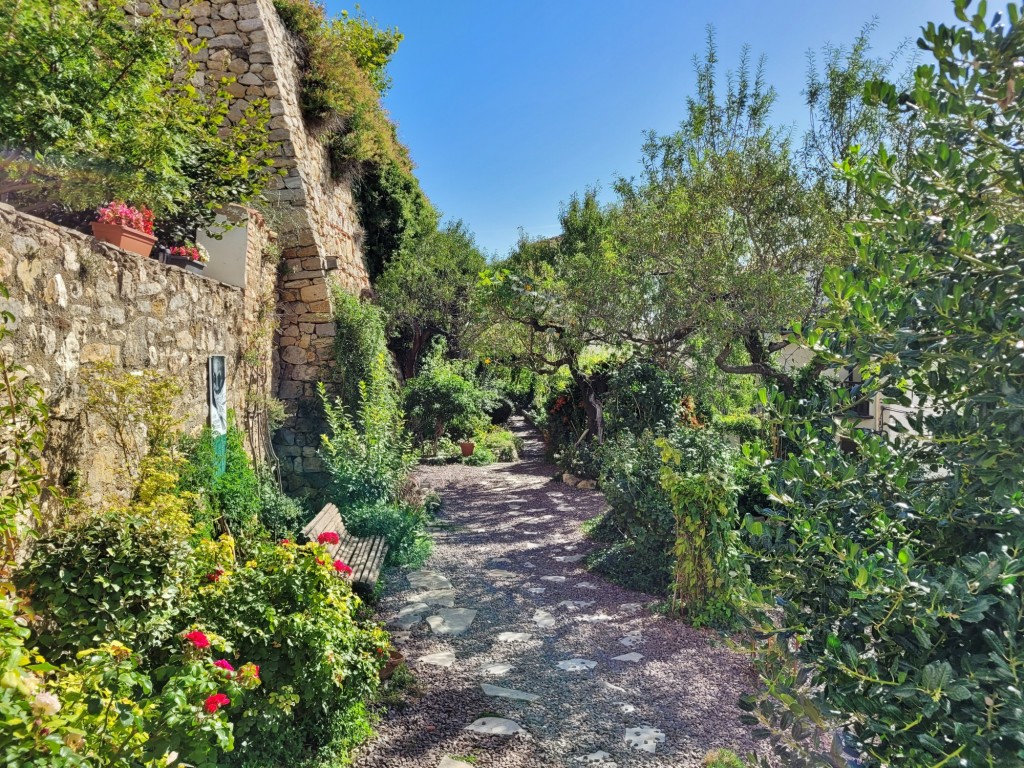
(504, 529)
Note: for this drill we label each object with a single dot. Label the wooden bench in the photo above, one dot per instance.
(364, 556)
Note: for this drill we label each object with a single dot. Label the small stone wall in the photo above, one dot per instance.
(79, 301)
(315, 215)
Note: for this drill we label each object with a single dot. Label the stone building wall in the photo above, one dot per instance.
(79, 301)
(315, 216)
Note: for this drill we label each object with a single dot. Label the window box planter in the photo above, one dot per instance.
(125, 238)
(189, 265)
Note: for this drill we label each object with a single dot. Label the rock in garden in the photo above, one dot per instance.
(497, 726)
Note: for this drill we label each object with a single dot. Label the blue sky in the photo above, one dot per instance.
(510, 107)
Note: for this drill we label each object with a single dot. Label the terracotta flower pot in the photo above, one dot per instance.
(395, 658)
(467, 446)
(125, 238)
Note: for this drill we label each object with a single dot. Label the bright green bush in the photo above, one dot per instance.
(287, 610)
(361, 357)
(642, 396)
(281, 515)
(445, 399)
(722, 758)
(503, 444)
(402, 524)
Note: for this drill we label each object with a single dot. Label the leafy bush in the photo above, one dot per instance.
(445, 399)
(400, 523)
(898, 564)
(369, 464)
(288, 611)
(361, 354)
(722, 758)
(281, 515)
(118, 576)
(642, 396)
(503, 444)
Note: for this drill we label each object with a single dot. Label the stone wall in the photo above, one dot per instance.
(79, 301)
(314, 215)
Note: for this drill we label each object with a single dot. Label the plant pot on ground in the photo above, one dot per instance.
(395, 658)
(467, 446)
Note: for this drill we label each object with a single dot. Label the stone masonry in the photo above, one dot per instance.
(79, 301)
(314, 215)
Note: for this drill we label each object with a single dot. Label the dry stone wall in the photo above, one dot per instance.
(78, 301)
(315, 216)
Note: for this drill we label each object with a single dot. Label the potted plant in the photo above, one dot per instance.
(191, 256)
(467, 446)
(126, 227)
(395, 659)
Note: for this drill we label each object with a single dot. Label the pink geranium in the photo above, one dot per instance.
(340, 567)
(124, 215)
(224, 664)
(328, 537)
(215, 702)
(192, 252)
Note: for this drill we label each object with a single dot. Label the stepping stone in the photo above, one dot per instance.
(428, 580)
(568, 558)
(495, 669)
(451, 621)
(514, 637)
(585, 585)
(447, 762)
(556, 579)
(500, 574)
(442, 659)
(536, 590)
(409, 620)
(575, 605)
(625, 707)
(543, 619)
(529, 565)
(632, 639)
(442, 597)
(412, 608)
(508, 693)
(630, 607)
(576, 665)
(496, 726)
(596, 757)
(644, 738)
(594, 618)
(628, 657)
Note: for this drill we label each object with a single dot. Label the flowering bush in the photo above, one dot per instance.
(122, 214)
(292, 618)
(192, 252)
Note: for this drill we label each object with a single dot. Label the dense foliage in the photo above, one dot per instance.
(98, 105)
(899, 564)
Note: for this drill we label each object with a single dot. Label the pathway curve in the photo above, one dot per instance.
(549, 665)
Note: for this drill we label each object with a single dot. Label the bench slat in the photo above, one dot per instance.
(364, 556)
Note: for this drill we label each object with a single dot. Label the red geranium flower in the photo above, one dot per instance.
(215, 702)
(340, 567)
(215, 576)
(328, 537)
(321, 561)
(198, 639)
(224, 664)
(285, 542)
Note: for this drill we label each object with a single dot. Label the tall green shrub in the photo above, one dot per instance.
(898, 565)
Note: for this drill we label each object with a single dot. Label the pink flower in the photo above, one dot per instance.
(198, 639)
(340, 567)
(328, 537)
(120, 213)
(215, 702)
(224, 664)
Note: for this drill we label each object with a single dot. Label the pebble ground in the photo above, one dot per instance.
(501, 529)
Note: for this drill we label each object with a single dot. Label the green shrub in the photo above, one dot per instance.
(287, 610)
(722, 758)
(281, 515)
(504, 445)
(367, 465)
(445, 399)
(747, 427)
(400, 523)
(361, 355)
(642, 397)
(118, 576)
